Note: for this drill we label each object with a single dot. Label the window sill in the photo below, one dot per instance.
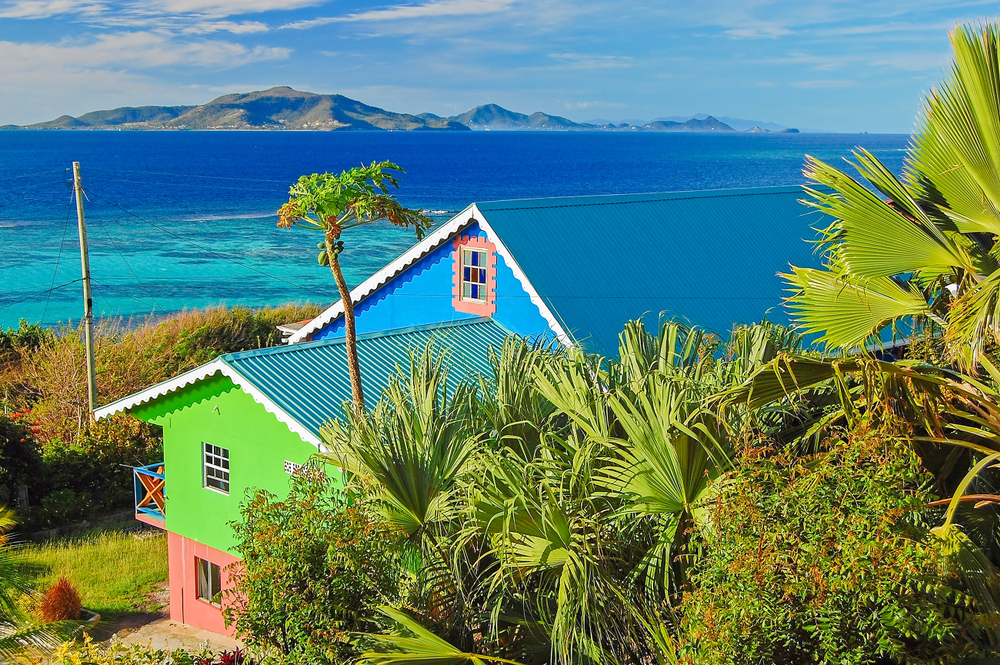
(209, 603)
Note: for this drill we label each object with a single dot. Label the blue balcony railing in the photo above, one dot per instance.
(150, 499)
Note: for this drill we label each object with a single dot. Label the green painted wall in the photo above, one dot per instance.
(217, 412)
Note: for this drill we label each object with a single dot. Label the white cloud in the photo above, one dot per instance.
(140, 50)
(823, 83)
(236, 28)
(36, 9)
(588, 61)
(759, 31)
(229, 7)
(438, 8)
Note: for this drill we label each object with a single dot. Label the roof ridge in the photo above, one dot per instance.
(337, 341)
(646, 197)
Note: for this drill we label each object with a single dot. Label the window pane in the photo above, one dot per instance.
(475, 291)
(216, 583)
(468, 274)
(204, 589)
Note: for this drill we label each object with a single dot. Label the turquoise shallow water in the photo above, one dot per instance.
(186, 219)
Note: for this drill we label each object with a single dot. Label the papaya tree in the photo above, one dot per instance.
(332, 204)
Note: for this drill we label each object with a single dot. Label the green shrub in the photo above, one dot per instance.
(20, 457)
(824, 559)
(97, 464)
(313, 571)
(115, 653)
(42, 371)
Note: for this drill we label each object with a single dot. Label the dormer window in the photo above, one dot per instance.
(475, 276)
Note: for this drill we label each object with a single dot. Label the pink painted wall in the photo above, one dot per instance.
(185, 606)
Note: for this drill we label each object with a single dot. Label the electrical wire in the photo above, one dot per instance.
(206, 249)
(187, 175)
(55, 271)
(41, 293)
(149, 295)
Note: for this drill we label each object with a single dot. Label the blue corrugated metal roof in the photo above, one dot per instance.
(310, 383)
(710, 258)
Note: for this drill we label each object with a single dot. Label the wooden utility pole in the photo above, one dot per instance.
(88, 301)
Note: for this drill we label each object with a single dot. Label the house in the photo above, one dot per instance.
(578, 268)
(248, 420)
(570, 269)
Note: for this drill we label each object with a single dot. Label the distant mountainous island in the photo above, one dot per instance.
(283, 108)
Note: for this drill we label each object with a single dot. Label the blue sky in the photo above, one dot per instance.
(839, 65)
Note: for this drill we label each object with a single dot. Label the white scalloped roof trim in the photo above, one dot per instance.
(508, 258)
(367, 287)
(418, 251)
(159, 389)
(199, 374)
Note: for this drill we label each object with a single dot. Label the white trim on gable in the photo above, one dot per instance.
(159, 389)
(367, 287)
(508, 258)
(201, 373)
(418, 251)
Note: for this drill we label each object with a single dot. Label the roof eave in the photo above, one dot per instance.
(431, 242)
(220, 366)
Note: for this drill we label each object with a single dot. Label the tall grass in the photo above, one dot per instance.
(46, 371)
(112, 570)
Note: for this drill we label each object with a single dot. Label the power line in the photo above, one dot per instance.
(55, 271)
(206, 249)
(193, 175)
(149, 295)
(41, 293)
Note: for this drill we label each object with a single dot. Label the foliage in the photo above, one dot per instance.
(61, 602)
(88, 652)
(551, 505)
(826, 558)
(85, 463)
(333, 204)
(313, 571)
(25, 337)
(19, 636)
(917, 253)
(20, 456)
(112, 569)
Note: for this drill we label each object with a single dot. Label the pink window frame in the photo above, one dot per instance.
(489, 307)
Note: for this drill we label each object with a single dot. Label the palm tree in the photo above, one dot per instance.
(333, 204)
(917, 253)
(19, 636)
(552, 513)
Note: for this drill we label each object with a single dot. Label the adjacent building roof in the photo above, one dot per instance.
(307, 384)
(710, 258)
(592, 263)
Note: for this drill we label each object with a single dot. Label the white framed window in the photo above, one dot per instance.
(209, 581)
(216, 468)
(474, 263)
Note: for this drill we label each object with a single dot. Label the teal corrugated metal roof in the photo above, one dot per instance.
(310, 383)
(710, 258)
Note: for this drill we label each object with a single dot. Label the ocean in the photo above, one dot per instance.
(187, 219)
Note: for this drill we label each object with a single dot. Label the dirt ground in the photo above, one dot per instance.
(154, 628)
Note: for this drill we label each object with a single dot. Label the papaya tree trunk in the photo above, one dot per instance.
(350, 335)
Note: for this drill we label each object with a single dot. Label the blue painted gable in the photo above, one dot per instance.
(422, 294)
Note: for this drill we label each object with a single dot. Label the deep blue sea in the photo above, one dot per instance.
(186, 219)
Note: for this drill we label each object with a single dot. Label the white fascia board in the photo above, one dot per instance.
(370, 285)
(159, 389)
(282, 416)
(511, 262)
(199, 373)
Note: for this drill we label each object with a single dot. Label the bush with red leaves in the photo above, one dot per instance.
(61, 602)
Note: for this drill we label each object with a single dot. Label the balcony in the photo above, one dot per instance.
(150, 500)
